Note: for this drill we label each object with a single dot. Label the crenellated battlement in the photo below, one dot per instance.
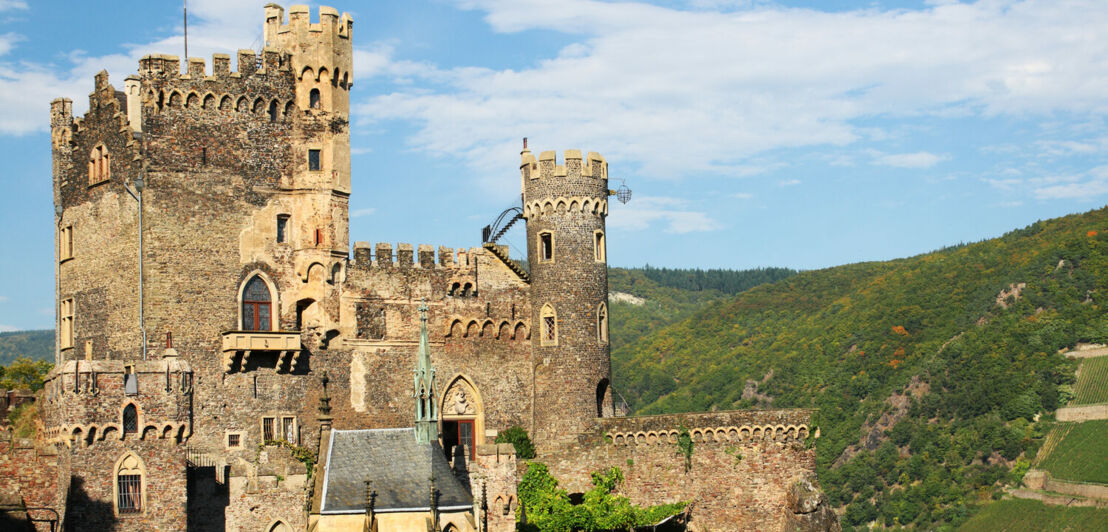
(249, 63)
(424, 257)
(299, 21)
(594, 165)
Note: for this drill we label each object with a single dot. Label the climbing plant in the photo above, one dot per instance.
(548, 508)
(685, 447)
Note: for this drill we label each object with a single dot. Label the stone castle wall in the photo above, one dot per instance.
(742, 465)
(29, 471)
(89, 470)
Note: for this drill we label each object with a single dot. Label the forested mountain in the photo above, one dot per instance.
(928, 372)
(36, 345)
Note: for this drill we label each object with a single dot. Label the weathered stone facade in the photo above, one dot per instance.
(206, 281)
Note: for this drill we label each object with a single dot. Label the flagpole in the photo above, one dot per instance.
(184, 5)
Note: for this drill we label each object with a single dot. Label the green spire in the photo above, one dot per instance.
(427, 414)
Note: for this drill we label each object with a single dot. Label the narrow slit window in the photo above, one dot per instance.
(599, 242)
(282, 228)
(65, 325)
(602, 324)
(546, 246)
(313, 160)
(65, 243)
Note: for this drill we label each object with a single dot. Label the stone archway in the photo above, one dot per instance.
(462, 416)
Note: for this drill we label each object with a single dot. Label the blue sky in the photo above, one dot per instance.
(801, 134)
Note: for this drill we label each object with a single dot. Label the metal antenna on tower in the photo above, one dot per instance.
(185, 7)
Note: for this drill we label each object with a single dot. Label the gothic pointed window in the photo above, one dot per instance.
(549, 320)
(256, 306)
(130, 419)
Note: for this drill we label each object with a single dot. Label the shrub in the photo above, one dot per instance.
(517, 436)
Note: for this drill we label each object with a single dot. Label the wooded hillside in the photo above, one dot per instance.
(927, 372)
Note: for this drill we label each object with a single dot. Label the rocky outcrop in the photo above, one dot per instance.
(807, 508)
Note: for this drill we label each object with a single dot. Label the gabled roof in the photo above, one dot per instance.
(399, 468)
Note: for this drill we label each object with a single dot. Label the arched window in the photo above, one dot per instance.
(313, 99)
(256, 305)
(130, 419)
(602, 323)
(273, 111)
(129, 484)
(549, 320)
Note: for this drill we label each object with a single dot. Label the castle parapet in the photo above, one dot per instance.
(86, 401)
(299, 21)
(594, 165)
(407, 256)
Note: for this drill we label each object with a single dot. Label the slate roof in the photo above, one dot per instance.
(398, 467)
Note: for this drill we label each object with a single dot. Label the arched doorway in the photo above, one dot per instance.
(462, 417)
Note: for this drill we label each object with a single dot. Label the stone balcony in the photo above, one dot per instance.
(286, 344)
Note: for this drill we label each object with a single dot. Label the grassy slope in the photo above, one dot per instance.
(1018, 515)
(1092, 385)
(843, 339)
(36, 345)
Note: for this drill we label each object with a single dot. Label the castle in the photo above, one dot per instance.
(217, 337)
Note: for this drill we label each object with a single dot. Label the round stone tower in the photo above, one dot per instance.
(565, 206)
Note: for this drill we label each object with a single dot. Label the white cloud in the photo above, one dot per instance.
(742, 195)
(689, 92)
(7, 42)
(8, 328)
(644, 213)
(920, 159)
(788, 182)
(8, 5)
(3, 299)
(1085, 186)
(358, 213)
